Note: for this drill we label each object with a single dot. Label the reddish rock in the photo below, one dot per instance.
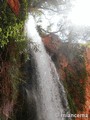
(87, 103)
(15, 5)
(52, 43)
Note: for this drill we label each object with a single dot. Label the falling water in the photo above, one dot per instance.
(49, 93)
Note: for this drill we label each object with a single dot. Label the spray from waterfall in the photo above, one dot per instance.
(49, 94)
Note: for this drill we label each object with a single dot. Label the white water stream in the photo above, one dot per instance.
(50, 95)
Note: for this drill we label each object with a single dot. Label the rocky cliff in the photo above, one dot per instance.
(70, 61)
(86, 109)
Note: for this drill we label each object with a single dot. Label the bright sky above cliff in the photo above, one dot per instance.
(79, 14)
(75, 19)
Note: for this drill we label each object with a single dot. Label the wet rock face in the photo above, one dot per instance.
(86, 109)
(52, 43)
(25, 108)
(64, 57)
(54, 46)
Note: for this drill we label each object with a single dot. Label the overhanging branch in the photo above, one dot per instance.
(48, 32)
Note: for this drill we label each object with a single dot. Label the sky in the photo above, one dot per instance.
(79, 14)
(76, 19)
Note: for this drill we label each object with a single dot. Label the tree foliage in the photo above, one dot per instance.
(12, 46)
(11, 26)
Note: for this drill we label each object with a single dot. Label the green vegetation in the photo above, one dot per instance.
(75, 78)
(11, 25)
(12, 49)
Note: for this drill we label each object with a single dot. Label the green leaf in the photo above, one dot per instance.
(0, 29)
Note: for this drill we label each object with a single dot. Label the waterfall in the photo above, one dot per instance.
(49, 94)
